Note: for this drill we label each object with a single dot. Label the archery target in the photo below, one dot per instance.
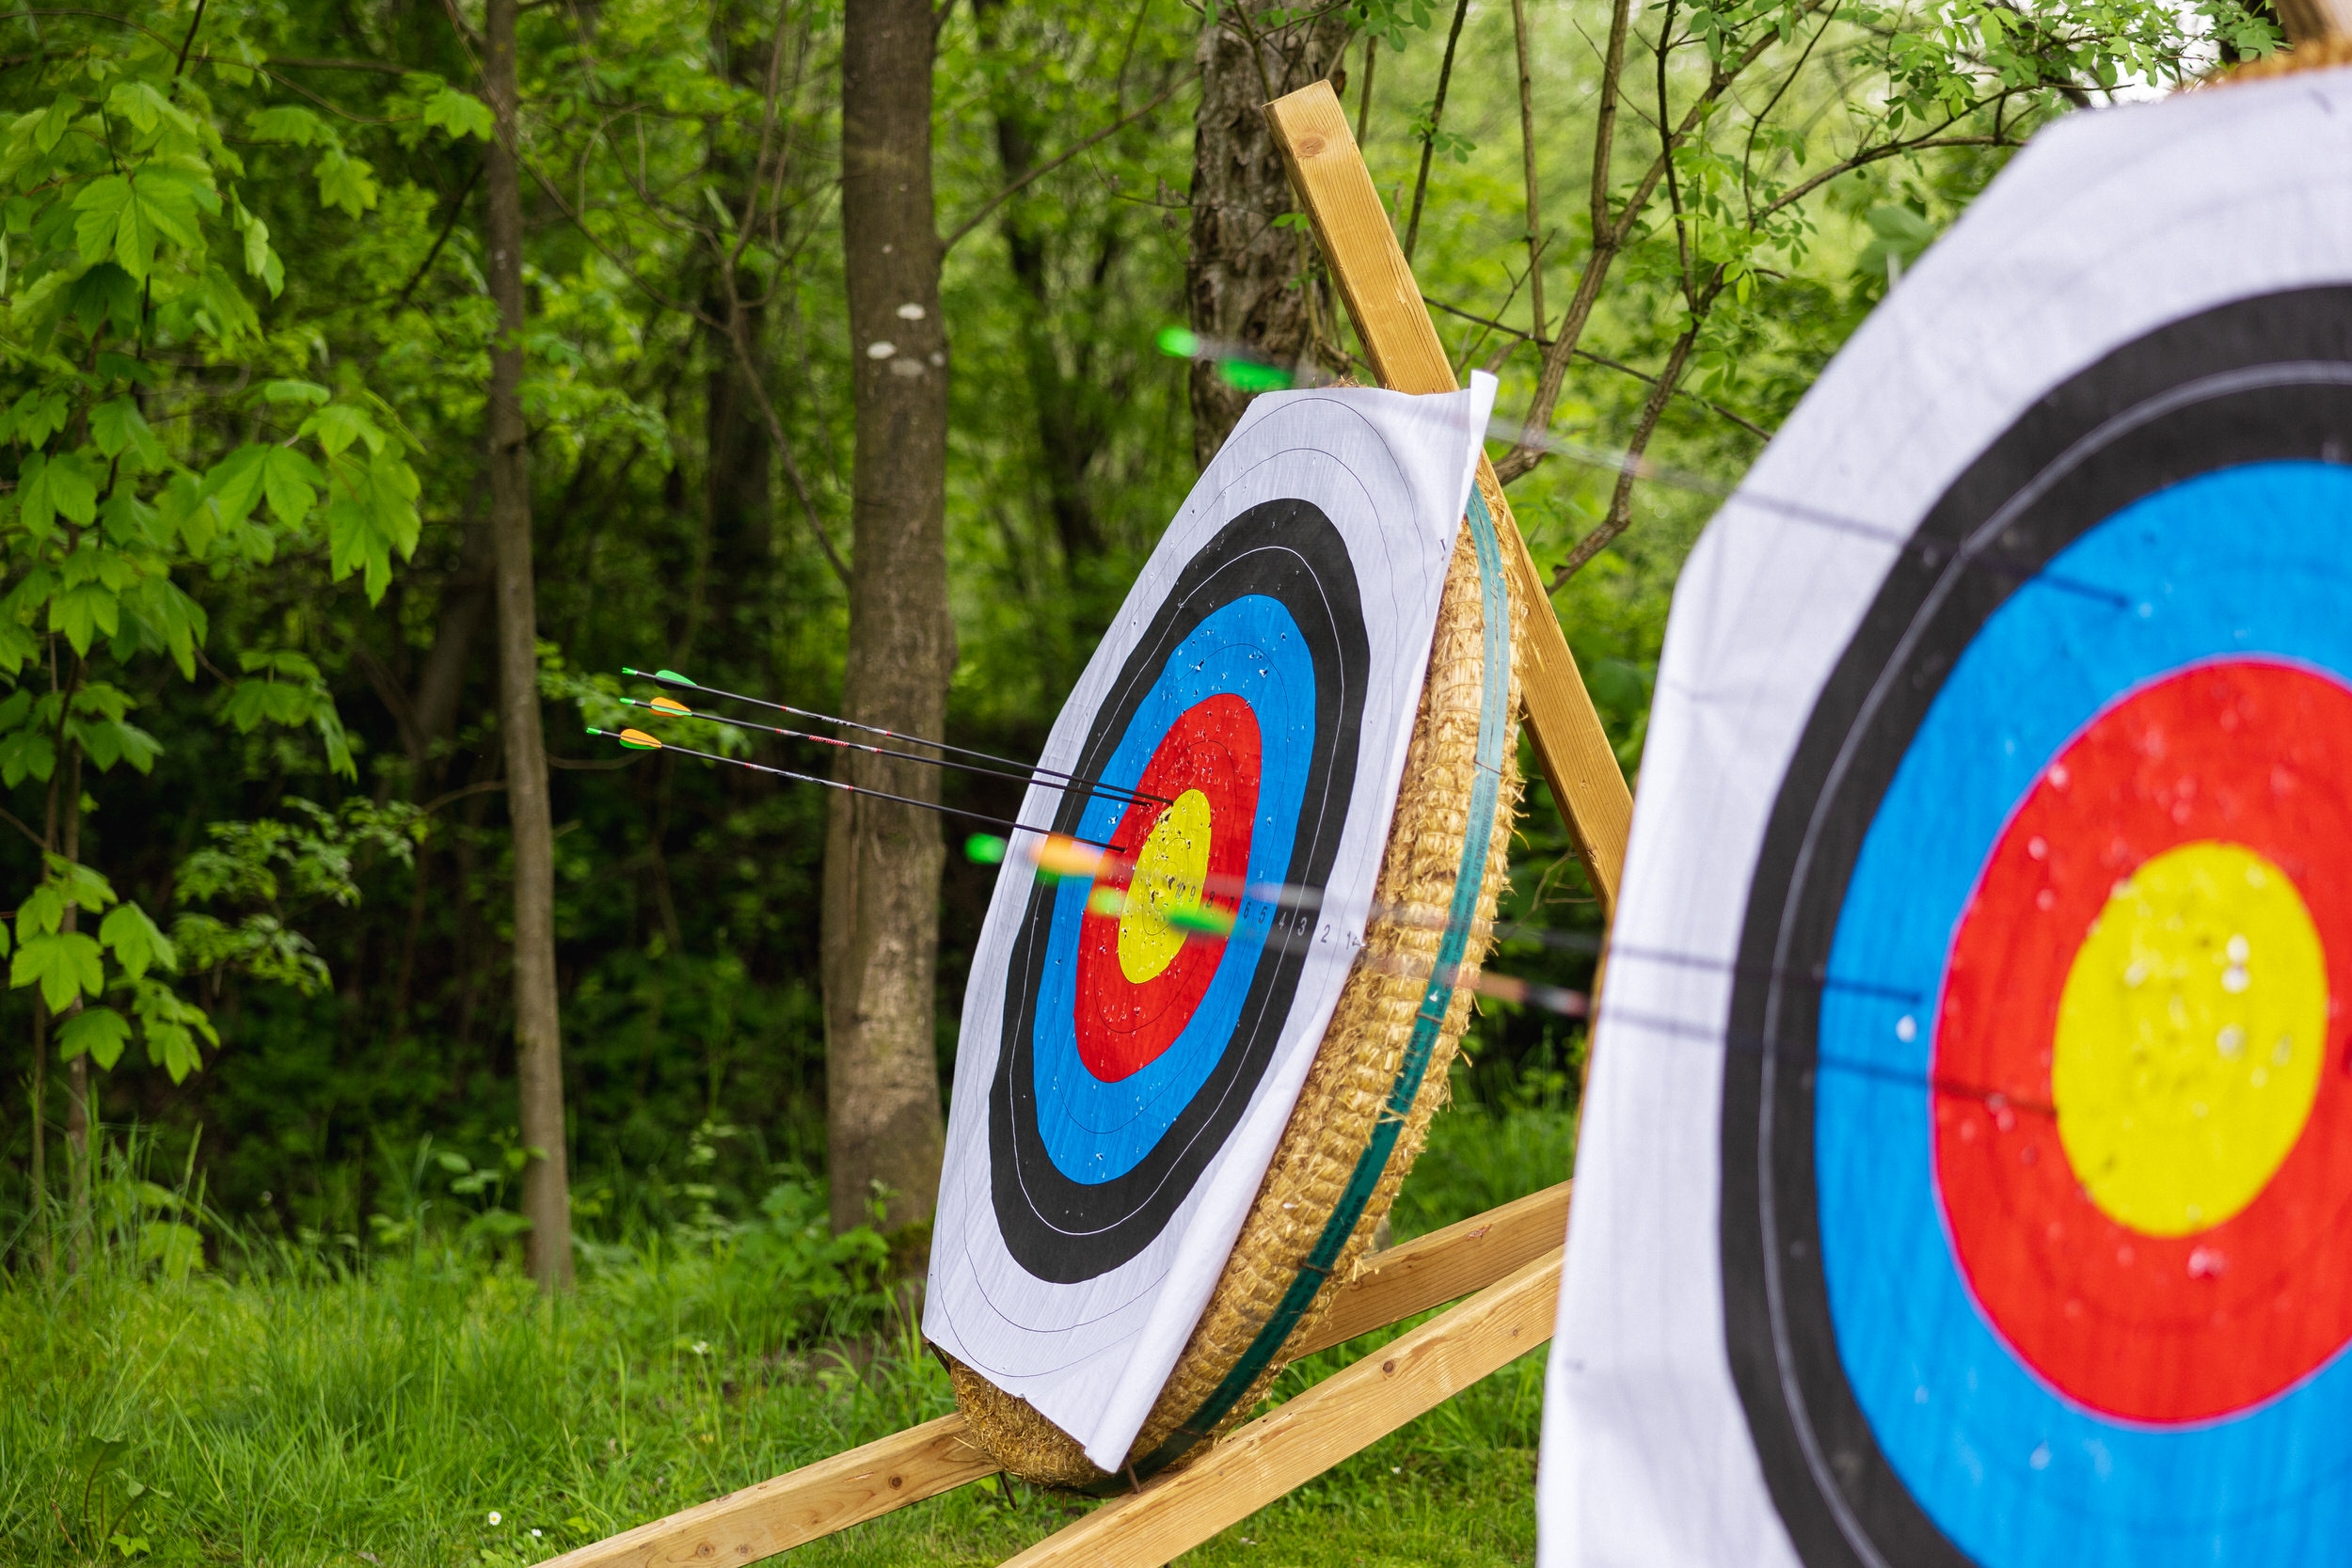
(1129, 1052)
(2010, 1081)
(1120, 1081)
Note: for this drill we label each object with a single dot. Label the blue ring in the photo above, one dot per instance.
(1096, 1131)
(2247, 560)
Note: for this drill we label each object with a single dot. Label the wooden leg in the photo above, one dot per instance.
(1328, 171)
(1298, 1441)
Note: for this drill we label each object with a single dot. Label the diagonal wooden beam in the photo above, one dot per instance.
(1328, 173)
(814, 1500)
(1297, 1441)
(1430, 1271)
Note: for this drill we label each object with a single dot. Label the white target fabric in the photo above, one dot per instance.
(1393, 474)
(2100, 231)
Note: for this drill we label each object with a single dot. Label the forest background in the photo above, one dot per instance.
(380, 378)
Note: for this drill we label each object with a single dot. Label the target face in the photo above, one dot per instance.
(2037, 1126)
(1126, 1068)
(1129, 1050)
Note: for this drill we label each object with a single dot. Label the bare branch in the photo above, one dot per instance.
(1527, 156)
(1052, 164)
(1606, 363)
(1436, 115)
(1621, 503)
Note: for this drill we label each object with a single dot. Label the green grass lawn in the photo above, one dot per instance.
(422, 1406)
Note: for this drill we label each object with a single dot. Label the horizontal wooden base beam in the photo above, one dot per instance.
(1297, 1442)
(814, 1500)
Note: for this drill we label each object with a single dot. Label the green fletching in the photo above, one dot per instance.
(674, 678)
(984, 849)
(1179, 343)
(1245, 375)
(1202, 919)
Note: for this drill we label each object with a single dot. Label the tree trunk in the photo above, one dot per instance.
(1069, 408)
(538, 1032)
(1244, 277)
(77, 1118)
(41, 1134)
(882, 860)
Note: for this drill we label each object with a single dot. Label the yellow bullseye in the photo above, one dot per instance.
(1169, 870)
(2190, 1038)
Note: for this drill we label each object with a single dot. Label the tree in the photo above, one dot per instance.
(1247, 281)
(538, 1024)
(135, 259)
(882, 860)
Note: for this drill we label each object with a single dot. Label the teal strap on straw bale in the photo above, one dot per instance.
(1494, 724)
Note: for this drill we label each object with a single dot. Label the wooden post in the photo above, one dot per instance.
(1385, 303)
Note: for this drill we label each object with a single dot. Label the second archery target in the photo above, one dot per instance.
(1138, 1034)
(2052, 1161)
(1967, 1156)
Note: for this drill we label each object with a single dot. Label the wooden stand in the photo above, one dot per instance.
(1509, 1257)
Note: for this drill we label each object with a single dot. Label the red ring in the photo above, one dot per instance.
(1122, 1027)
(2150, 1328)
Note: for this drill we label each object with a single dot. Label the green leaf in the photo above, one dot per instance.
(291, 480)
(129, 217)
(110, 742)
(139, 944)
(260, 259)
(26, 754)
(52, 486)
(41, 912)
(84, 612)
(101, 204)
(346, 181)
(374, 521)
(171, 1026)
(105, 294)
(143, 107)
(55, 121)
(338, 425)
(289, 122)
(309, 392)
(129, 522)
(461, 114)
(80, 884)
(18, 645)
(117, 425)
(36, 416)
(100, 1032)
(65, 964)
(234, 483)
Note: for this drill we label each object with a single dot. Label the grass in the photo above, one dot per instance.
(423, 1406)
